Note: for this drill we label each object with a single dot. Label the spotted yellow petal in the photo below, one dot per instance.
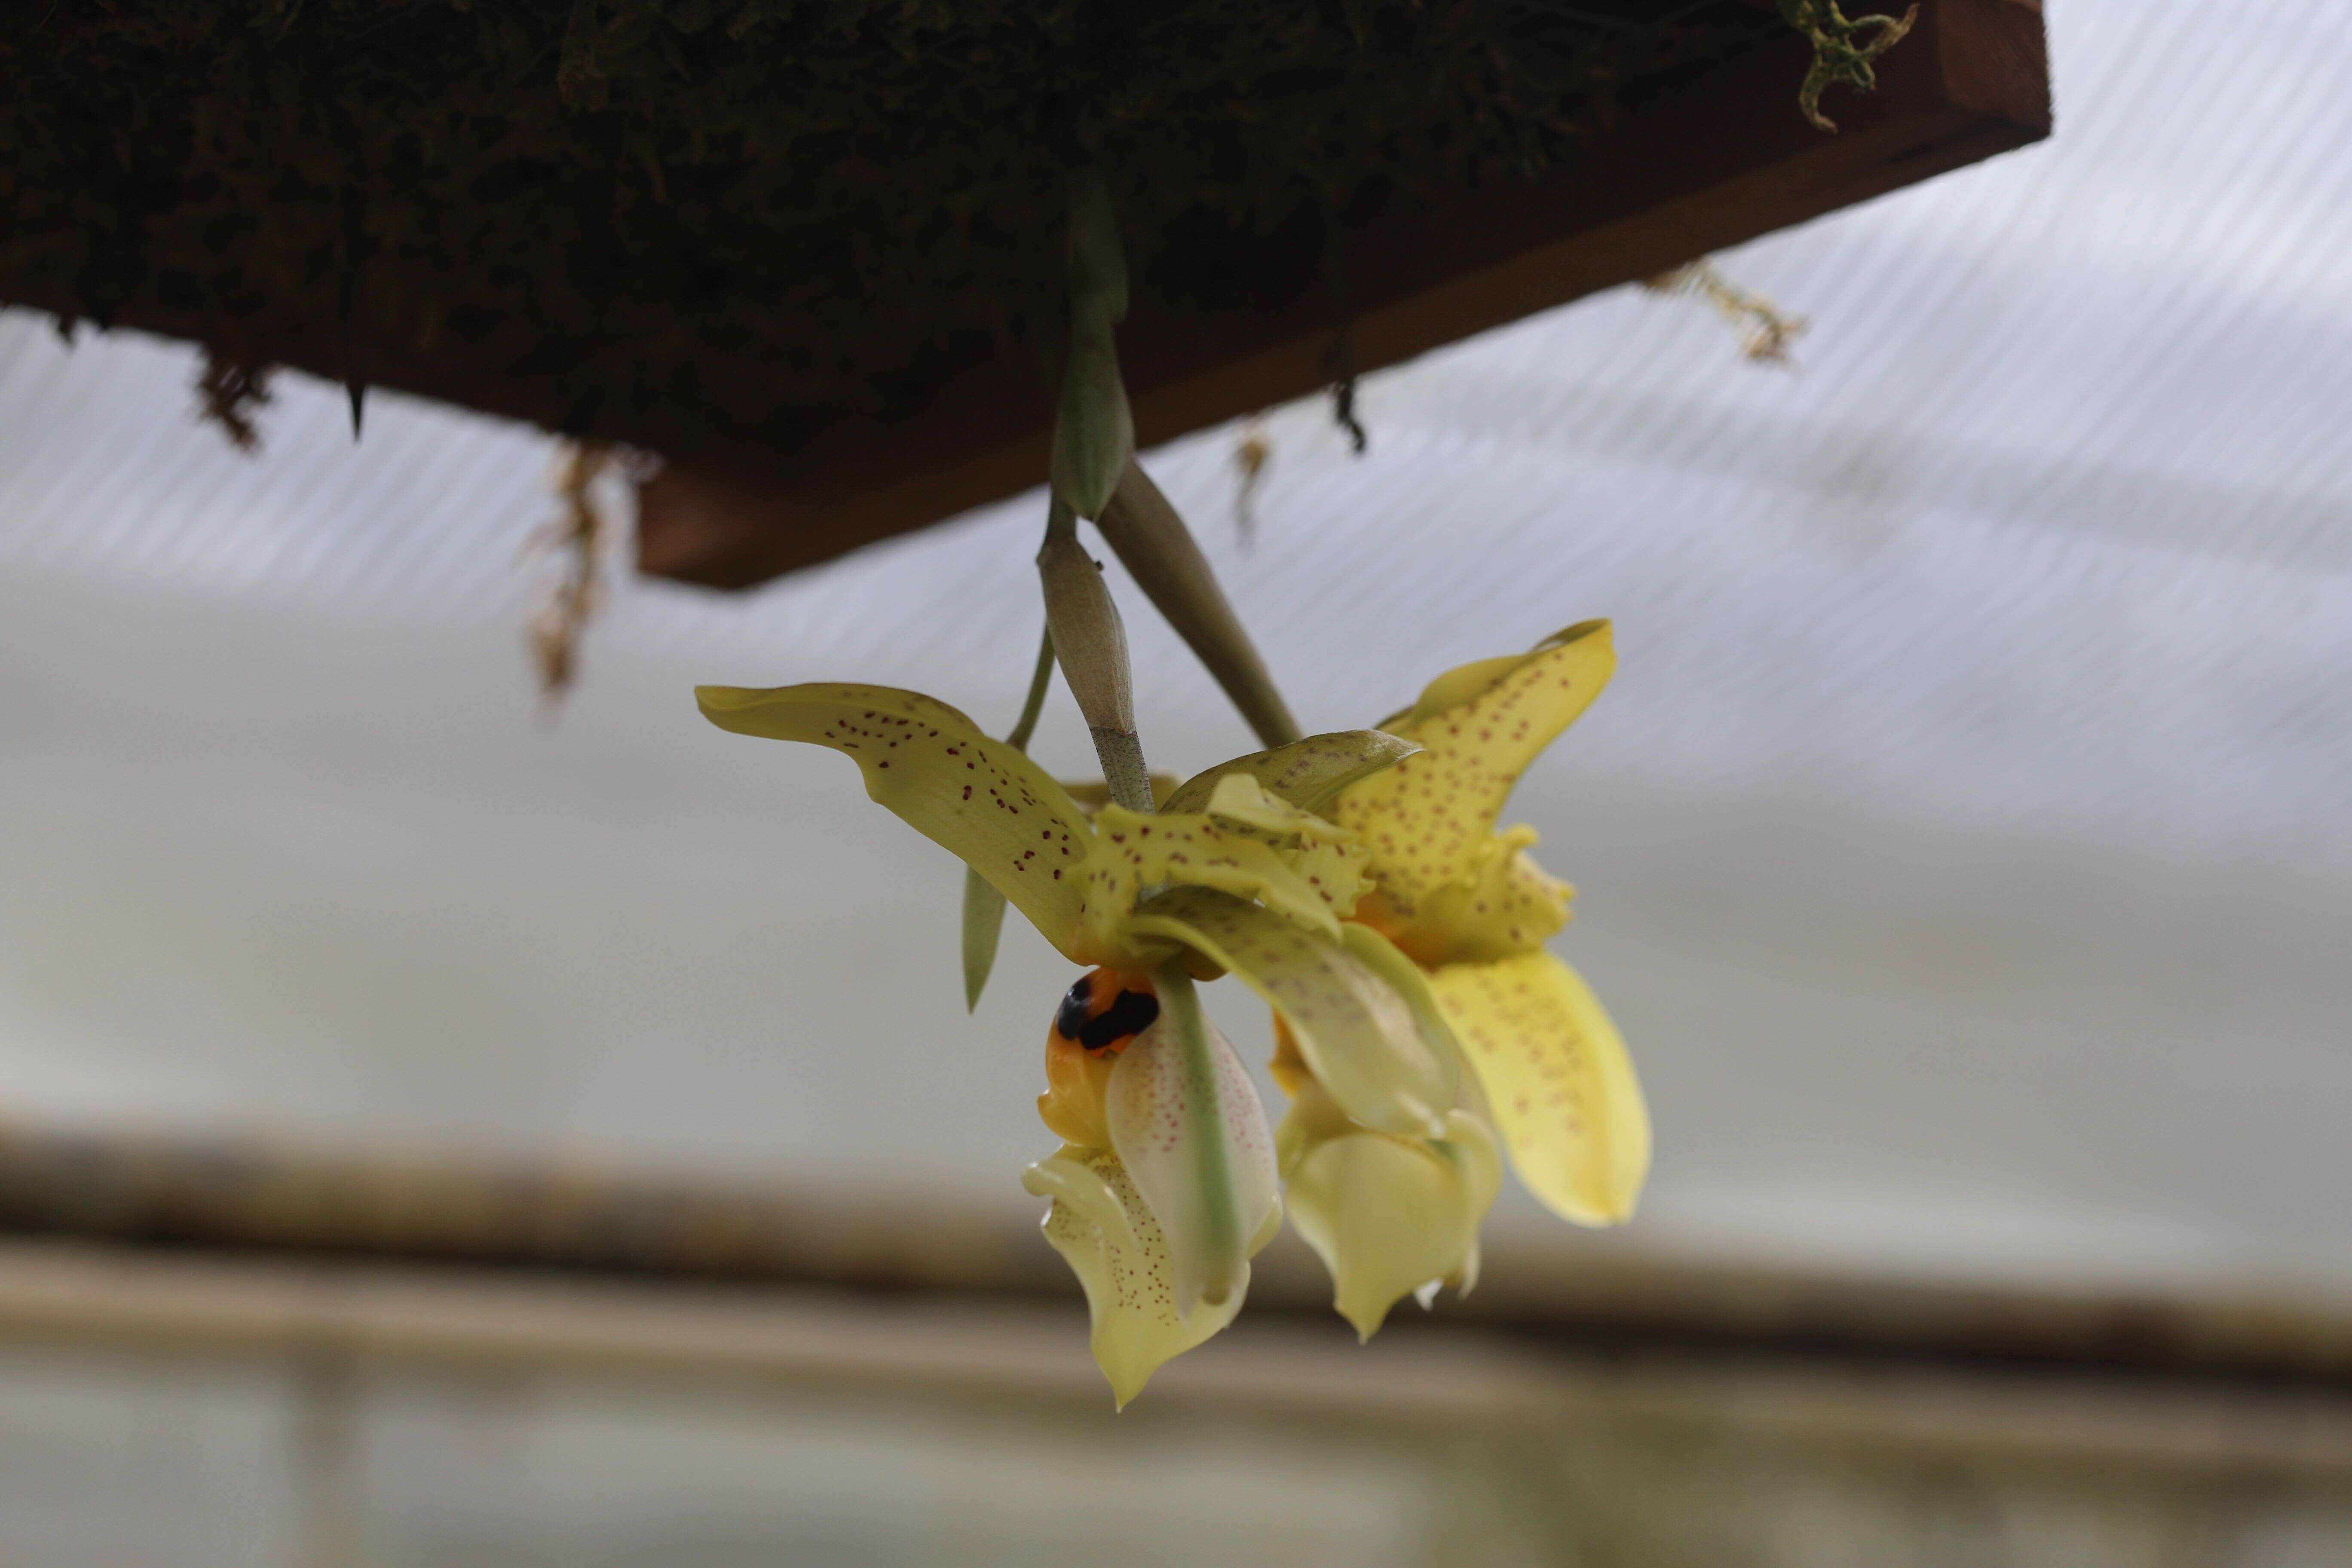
(1132, 852)
(1558, 1079)
(1360, 1036)
(1240, 801)
(1307, 772)
(1324, 856)
(1426, 818)
(1335, 873)
(1103, 1230)
(978, 798)
(1192, 1135)
(1392, 1216)
(1508, 904)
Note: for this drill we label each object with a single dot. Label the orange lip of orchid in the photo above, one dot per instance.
(1099, 1018)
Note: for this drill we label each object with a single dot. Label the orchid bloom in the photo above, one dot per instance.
(1392, 1211)
(1165, 1184)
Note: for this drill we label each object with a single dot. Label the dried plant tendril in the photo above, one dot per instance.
(1843, 47)
(1251, 454)
(230, 392)
(572, 597)
(1768, 328)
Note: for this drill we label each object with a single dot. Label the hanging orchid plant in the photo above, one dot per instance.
(1355, 881)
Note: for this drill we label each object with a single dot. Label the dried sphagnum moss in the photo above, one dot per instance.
(700, 215)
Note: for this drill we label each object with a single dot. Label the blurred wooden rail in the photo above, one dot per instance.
(1419, 1375)
(232, 1202)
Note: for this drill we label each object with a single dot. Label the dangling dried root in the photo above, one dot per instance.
(1769, 330)
(1250, 459)
(232, 392)
(572, 597)
(1340, 365)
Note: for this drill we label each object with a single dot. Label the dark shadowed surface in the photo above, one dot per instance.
(813, 251)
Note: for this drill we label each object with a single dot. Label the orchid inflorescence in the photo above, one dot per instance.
(1355, 880)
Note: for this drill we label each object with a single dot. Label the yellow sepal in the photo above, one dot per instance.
(1558, 1079)
(978, 798)
(1508, 904)
(1428, 819)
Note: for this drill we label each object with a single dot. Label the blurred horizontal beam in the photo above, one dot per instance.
(251, 1200)
(1702, 159)
(1416, 1377)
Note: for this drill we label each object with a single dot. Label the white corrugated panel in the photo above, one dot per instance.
(1965, 845)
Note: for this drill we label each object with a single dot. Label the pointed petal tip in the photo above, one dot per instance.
(1528, 1023)
(1102, 1228)
(1591, 1216)
(983, 927)
(1603, 629)
(924, 762)
(1306, 773)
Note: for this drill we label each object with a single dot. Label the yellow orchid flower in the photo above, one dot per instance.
(1165, 1184)
(1393, 1210)
(1151, 1145)
(1391, 1215)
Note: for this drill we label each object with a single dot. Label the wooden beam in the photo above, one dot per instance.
(1442, 1376)
(231, 1200)
(1705, 158)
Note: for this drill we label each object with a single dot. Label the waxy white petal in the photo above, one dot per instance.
(1124, 1266)
(1191, 1135)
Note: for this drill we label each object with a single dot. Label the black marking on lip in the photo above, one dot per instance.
(1133, 1013)
(1071, 1016)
